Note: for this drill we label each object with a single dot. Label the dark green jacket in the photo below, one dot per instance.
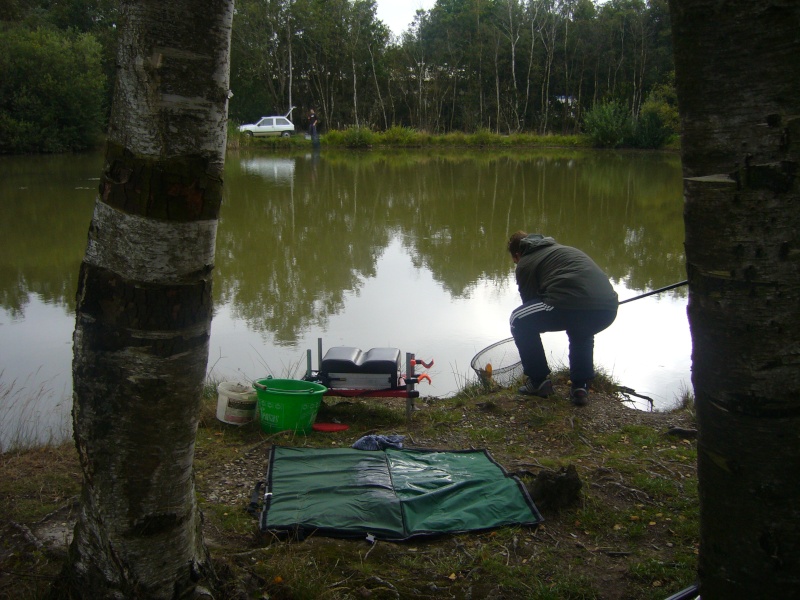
(562, 276)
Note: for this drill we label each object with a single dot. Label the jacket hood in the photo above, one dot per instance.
(534, 241)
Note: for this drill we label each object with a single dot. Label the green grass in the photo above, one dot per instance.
(405, 137)
(640, 492)
(38, 481)
(20, 406)
(639, 465)
(657, 577)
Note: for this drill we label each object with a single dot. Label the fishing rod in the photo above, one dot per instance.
(658, 291)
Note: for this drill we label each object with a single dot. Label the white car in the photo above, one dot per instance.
(269, 126)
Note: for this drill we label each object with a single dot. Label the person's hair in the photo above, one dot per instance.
(513, 242)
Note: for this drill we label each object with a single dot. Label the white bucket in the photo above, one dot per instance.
(236, 403)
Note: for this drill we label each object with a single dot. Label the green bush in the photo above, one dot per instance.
(454, 138)
(663, 99)
(658, 119)
(608, 125)
(352, 137)
(399, 136)
(483, 137)
(51, 91)
(651, 131)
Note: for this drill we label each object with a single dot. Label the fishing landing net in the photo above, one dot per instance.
(498, 364)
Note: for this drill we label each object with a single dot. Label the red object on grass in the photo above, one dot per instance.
(330, 427)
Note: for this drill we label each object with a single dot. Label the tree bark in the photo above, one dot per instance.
(144, 305)
(738, 82)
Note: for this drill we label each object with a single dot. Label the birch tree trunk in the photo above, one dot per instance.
(547, 33)
(355, 90)
(512, 33)
(738, 83)
(378, 87)
(534, 10)
(144, 305)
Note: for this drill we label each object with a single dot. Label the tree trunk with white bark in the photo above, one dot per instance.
(144, 306)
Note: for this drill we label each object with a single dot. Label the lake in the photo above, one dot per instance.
(401, 249)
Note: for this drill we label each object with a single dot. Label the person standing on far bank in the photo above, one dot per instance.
(312, 124)
(562, 289)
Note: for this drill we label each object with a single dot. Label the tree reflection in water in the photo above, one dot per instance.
(403, 249)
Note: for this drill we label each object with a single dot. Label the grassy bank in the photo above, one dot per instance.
(406, 137)
(631, 532)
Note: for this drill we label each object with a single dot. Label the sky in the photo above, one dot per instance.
(398, 14)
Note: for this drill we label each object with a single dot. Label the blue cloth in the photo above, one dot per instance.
(379, 442)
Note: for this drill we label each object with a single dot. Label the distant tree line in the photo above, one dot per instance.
(464, 65)
(504, 66)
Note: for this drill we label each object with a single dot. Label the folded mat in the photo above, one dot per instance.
(390, 494)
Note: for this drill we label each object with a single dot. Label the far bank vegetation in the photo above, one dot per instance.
(528, 72)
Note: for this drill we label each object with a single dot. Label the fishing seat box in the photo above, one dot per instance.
(350, 368)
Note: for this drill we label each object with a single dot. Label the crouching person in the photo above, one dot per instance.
(562, 289)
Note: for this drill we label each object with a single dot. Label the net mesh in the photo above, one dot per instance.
(498, 364)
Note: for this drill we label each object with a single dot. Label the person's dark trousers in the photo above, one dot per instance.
(535, 317)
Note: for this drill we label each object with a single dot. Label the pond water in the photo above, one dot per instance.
(400, 249)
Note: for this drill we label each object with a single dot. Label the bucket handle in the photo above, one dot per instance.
(264, 388)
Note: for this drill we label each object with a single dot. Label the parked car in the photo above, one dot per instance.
(269, 126)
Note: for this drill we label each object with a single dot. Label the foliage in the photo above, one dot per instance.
(453, 138)
(236, 140)
(400, 136)
(663, 100)
(352, 137)
(609, 125)
(658, 119)
(483, 137)
(51, 92)
(471, 67)
(406, 137)
(96, 17)
(462, 66)
(650, 131)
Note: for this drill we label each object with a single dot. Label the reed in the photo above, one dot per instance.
(26, 419)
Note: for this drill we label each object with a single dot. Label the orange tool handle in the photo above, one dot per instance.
(417, 361)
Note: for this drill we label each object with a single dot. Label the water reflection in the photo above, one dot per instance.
(279, 171)
(46, 206)
(400, 249)
(287, 256)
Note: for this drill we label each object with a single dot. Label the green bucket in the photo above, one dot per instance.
(288, 404)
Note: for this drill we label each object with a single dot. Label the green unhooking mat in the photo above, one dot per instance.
(390, 494)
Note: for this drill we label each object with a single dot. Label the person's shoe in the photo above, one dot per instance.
(543, 389)
(579, 395)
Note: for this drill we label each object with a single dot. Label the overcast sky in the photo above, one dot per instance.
(398, 14)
